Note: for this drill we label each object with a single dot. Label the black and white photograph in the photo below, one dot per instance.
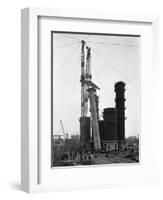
(95, 99)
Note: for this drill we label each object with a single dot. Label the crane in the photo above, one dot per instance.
(63, 131)
(88, 92)
(85, 78)
(83, 85)
(91, 91)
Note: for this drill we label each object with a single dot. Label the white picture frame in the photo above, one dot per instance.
(32, 167)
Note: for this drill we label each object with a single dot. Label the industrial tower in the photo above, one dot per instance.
(120, 106)
(84, 99)
(88, 93)
(84, 119)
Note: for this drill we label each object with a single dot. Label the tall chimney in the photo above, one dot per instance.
(120, 106)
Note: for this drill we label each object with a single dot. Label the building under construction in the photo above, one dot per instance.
(112, 127)
(108, 133)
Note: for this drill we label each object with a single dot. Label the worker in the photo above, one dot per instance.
(107, 154)
(81, 156)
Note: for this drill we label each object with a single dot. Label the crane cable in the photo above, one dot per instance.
(65, 45)
(87, 36)
(73, 89)
(106, 44)
(112, 66)
(70, 37)
(66, 61)
(106, 95)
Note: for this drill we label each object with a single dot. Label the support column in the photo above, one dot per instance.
(95, 125)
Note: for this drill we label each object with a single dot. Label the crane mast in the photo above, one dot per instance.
(88, 92)
(82, 78)
(63, 131)
(85, 76)
(88, 75)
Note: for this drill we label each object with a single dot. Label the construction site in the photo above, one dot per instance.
(101, 138)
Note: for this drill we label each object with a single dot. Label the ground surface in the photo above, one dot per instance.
(100, 158)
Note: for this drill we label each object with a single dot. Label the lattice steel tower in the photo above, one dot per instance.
(82, 79)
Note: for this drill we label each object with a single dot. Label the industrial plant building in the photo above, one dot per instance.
(112, 126)
(108, 133)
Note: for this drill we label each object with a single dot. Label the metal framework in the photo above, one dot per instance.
(88, 92)
(82, 78)
(63, 130)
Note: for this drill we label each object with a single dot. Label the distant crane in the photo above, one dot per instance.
(63, 130)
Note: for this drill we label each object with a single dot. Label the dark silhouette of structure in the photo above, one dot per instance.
(110, 124)
(97, 104)
(112, 127)
(101, 129)
(120, 106)
(85, 130)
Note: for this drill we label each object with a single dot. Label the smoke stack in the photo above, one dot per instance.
(120, 106)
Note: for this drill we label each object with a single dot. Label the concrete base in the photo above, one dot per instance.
(84, 131)
(115, 145)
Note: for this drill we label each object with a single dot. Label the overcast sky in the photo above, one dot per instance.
(113, 58)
